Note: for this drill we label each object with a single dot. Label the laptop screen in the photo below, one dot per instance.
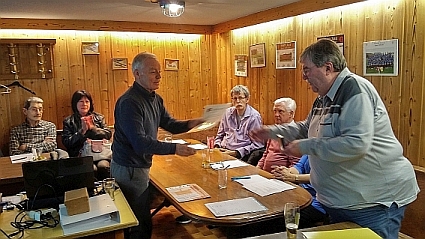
(48, 180)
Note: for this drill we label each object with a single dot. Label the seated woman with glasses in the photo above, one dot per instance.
(237, 122)
(84, 126)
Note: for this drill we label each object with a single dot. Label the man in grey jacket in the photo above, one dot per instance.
(357, 164)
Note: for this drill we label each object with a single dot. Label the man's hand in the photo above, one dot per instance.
(260, 134)
(194, 122)
(183, 150)
(49, 139)
(23, 147)
(293, 149)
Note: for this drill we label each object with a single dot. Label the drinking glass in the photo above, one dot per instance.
(109, 186)
(222, 178)
(168, 138)
(292, 219)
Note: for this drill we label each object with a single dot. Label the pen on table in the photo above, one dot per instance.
(241, 177)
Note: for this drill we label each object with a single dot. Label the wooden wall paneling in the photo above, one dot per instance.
(5, 121)
(196, 87)
(184, 80)
(106, 91)
(420, 72)
(207, 82)
(61, 78)
(119, 77)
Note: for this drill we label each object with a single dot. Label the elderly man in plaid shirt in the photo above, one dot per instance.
(34, 133)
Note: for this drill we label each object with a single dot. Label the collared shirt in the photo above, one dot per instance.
(356, 160)
(234, 136)
(33, 137)
(273, 155)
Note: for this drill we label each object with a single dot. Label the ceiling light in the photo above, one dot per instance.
(172, 8)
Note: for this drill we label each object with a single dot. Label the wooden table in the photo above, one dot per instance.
(174, 170)
(127, 219)
(11, 178)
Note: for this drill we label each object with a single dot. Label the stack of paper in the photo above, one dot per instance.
(236, 206)
(20, 158)
(264, 186)
(228, 164)
(346, 234)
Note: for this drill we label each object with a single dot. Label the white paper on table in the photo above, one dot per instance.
(179, 141)
(197, 146)
(20, 158)
(264, 186)
(235, 206)
(228, 163)
(212, 116)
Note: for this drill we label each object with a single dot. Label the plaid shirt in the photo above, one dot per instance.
(33, 137)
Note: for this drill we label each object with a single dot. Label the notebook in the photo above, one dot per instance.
(47, 181)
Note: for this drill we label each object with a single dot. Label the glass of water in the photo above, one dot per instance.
(109, 186)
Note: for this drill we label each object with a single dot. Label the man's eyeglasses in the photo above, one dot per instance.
(238, 98)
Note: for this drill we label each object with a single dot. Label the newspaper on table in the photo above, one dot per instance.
(212, 116)
(263, 186)
(187, 192)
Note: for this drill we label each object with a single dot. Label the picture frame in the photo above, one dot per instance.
(119, 63)
(90, 48)
(241, 65)
(286, 55)
(380, 58)
(257, 55)
(171, 64)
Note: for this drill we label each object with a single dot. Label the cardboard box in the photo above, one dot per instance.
(77, 201)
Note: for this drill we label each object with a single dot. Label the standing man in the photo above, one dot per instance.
(138, 114)
(238, 120)
(284, 112)
(34, 133)
(357, 164)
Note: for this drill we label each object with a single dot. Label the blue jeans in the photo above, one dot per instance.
(384, 221)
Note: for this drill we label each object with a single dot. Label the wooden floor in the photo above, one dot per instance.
(165, 227)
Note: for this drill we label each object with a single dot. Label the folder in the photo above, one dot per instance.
(103, 213)
(354, 233)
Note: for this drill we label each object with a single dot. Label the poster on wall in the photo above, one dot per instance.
(380, 58)
(257, 55)
(338, 39)
(241, 65)
(286, 54)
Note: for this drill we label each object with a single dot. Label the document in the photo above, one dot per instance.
(235, 206)
(187, 192)
(346, 234)
(263, 186)
(212, 116)
(197, 146)
(228, 164)
(20, 158)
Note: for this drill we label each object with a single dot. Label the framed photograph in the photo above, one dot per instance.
(241, 65)
(171, 65)
(257, 55)
(119, 63)
(286, 55)
(338, 39)
(88, 48)
(380, 58)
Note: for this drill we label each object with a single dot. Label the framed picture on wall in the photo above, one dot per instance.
(286, 54)
(241, 65)
(119, 63)
(88, 48)
(380, 58)
(171, 65)
(257, 55)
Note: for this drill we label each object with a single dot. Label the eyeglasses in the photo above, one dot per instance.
(238, 98)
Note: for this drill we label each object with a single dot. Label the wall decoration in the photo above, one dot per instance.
(286, 55)
(380, 58)
(119, 63)
(257, 54)
(88, 48)
(171, 65)
(241, 65)
(338, 39)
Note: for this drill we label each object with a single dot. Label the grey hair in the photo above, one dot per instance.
(139, 60)
(238, 89)
(290, 104)
(30, 100)
(323, 51)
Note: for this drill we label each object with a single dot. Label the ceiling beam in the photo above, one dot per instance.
(92, 25)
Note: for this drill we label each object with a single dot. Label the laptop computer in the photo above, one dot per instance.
(47, 181)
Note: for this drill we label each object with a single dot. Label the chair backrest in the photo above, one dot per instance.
(413, 222)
